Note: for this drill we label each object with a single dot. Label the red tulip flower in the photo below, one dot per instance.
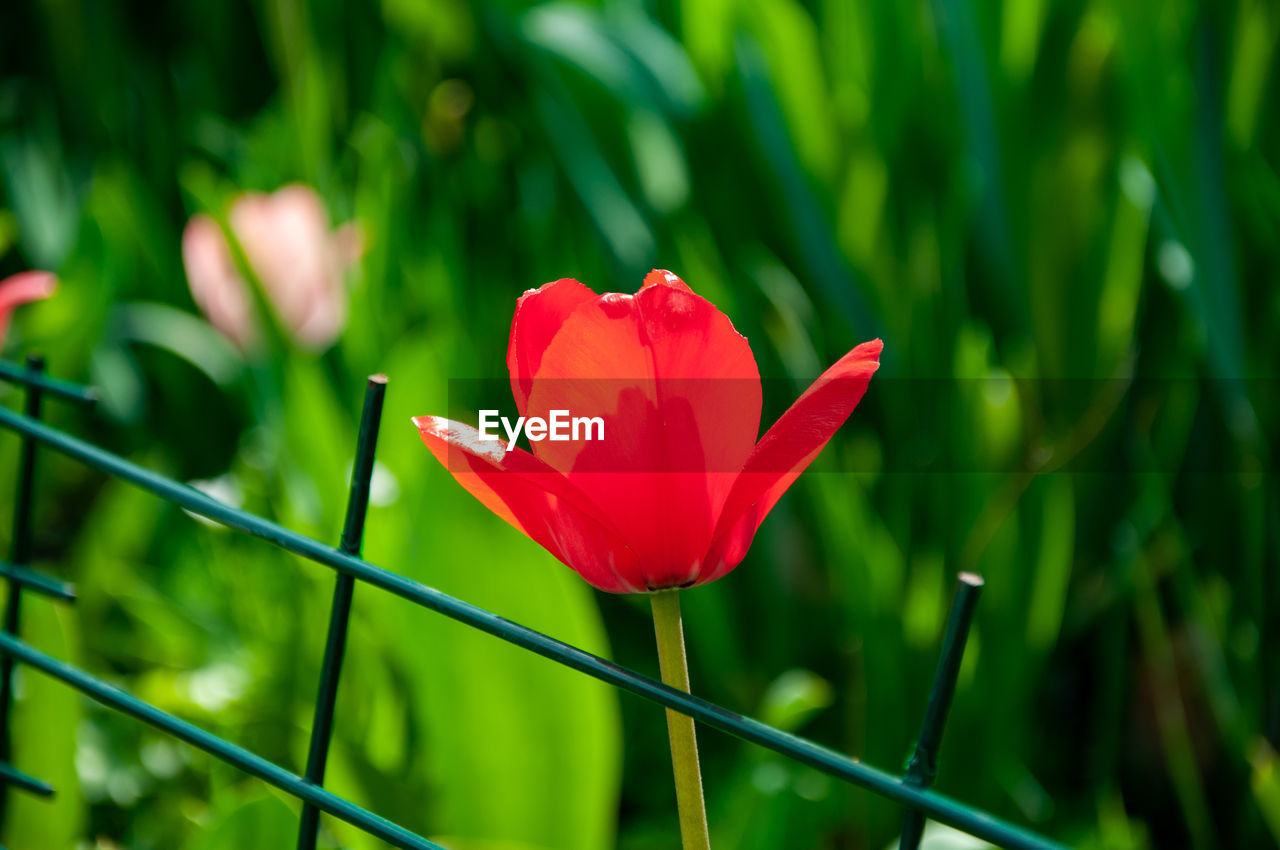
(674, 493)
(20, 289)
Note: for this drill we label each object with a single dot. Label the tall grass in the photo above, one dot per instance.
(1063, 218)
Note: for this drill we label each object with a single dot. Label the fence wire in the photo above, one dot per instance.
(910, 790)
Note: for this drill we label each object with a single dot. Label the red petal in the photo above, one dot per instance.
(539, 315)
(679, 393)
(662, 277)
(785, 451)
(535, 499)
(23, 288)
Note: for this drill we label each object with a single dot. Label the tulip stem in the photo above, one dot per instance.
(680, 729)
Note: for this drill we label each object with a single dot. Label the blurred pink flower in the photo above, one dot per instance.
(20, 289)
(216, 285)
(289, 246)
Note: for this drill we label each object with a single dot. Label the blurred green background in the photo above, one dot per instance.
(1063, 218)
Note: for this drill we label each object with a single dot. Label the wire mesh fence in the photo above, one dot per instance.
(910, 789)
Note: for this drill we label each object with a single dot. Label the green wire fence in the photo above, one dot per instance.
(911, 789)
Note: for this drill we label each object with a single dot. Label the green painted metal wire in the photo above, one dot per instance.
(20, 555)
(12, 776)
(30, 377)
(38, 582)
(932, 804)
(231, 753)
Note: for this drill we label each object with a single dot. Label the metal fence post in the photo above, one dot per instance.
(339, 614)
(923, 766)
(20, 556)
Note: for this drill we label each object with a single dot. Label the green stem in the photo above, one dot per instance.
(684, 742)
